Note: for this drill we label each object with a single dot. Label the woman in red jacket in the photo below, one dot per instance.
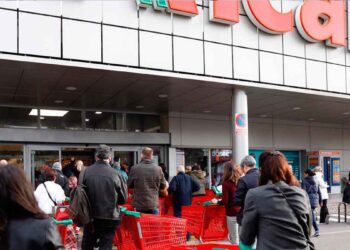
(229, 187)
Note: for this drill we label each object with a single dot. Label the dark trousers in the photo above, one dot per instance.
(324, 211)
(178, 214)
(102, 231)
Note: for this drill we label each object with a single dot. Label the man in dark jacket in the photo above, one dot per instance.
(61, 179)
(146, 179)
(105, 189)
(181, 187)
(248, 181)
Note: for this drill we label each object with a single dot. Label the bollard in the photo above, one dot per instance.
(345, 211)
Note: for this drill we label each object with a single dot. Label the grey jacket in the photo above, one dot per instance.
(269, 217)
(146, 179)
(105, 189)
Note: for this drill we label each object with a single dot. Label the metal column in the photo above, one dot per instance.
(240, 143)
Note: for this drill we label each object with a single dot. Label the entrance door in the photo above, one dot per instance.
(127, 156)
(40, 156)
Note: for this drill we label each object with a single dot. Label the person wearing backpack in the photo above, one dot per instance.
(312, 189)
(105, 189)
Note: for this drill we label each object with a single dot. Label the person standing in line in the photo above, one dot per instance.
(49, 194)
(181, 187)
(23, 225)
(61, 179)
(164, 169)
(229, 188)
(312, 189)
(106, 189)
(248, 181)
(117, 167)
(199, 176)
(277, 213)
(324, 214)
(146, 178)
(68, 169)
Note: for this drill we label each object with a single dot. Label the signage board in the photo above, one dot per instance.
(315, 20)
(241, 123)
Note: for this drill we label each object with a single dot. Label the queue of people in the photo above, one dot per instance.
(254, 201)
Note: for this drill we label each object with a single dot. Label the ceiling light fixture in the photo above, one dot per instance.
(346, 113)
(48, 112)
(42, 118)
(98, 113)
(139, 107)
(296, 108)
(163, 96)
(58, 101)
(311, 119)
(71, 88)
(87, 119)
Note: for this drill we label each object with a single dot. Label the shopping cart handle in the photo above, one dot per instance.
(67, 199)
(63, 222)
(132, 213)
(207, 203)
(216, 190)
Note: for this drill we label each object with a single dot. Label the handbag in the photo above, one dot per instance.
(300, 220)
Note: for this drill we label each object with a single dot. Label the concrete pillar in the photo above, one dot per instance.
(172, 163)
(240, 142)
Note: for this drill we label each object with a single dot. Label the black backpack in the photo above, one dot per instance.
(80, 208)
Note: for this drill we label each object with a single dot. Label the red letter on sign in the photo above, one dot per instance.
(224, 11)
(183, 7)
(266, 18)
(322, 21)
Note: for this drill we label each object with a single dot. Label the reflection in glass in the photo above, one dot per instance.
(17, 118)
(12, 153)
(40, 159)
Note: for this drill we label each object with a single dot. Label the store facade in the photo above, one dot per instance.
(165, 73)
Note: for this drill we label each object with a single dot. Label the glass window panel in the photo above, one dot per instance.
(71, 120)
(100, 120)
(12, 153)
(143, 123)
(17, 118)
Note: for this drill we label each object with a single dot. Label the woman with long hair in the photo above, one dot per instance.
(231, 176)
(22, 224)
(277, 213)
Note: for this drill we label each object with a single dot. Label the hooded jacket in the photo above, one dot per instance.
(199, 176)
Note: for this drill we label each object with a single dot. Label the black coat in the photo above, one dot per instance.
(181, 187)
(247, 182)
(105, 188)
(346, 194)
(62, 180)
(31, 233)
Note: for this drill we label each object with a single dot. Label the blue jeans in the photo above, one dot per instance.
(314, 220)
(149, 211)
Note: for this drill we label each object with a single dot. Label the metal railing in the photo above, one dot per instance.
(345, 211)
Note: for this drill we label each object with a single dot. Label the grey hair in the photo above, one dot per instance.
(248, 161)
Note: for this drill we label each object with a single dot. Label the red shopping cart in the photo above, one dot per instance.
(206, 247)
(207, 222)
(149, 232)
(65, 228)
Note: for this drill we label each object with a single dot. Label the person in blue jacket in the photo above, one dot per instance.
(181, 187)
(312, 189)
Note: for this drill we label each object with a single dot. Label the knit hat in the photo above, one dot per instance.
(248, 161)
(57, 166)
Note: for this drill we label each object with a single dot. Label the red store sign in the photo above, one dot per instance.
(316, 20)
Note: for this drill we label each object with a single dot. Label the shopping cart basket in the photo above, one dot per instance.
(149, 232)
(207, 222)
(206, 247)
(65, 228)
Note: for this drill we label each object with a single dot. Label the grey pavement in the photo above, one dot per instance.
(335, 236)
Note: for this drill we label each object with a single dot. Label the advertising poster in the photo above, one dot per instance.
(335, 171)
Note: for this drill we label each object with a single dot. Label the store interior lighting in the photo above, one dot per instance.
(48, 112)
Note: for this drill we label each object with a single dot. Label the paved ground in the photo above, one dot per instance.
(333, 237)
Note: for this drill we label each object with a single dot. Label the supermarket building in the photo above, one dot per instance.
(180, 76)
